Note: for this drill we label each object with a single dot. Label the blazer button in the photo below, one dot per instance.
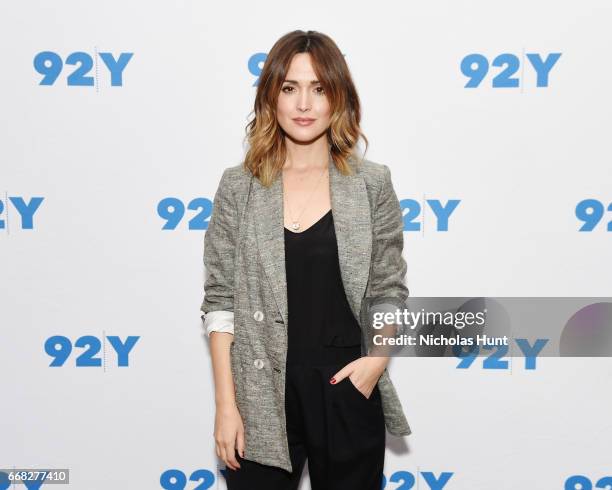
(258, 315)
(258, 363)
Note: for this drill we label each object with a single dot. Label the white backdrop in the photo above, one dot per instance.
(104, 158)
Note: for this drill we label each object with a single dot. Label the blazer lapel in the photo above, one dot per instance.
(352, 224)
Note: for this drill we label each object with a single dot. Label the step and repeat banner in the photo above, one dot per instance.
(117, 121)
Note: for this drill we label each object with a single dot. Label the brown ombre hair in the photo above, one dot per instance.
(267, 152)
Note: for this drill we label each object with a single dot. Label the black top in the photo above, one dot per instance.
(319, 313)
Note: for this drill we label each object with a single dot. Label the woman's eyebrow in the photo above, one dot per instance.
(312, 82)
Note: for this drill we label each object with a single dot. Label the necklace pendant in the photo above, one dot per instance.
(295, 225)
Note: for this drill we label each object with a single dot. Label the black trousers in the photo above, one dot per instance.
(336, 428)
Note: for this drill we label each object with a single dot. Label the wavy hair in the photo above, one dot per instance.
(267, 152)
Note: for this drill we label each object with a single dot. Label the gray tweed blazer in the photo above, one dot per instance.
(245, 274)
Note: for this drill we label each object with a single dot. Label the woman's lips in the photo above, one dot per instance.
(303, 122)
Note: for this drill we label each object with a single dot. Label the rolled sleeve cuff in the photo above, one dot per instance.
(219, 321)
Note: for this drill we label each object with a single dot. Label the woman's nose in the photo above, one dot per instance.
(304, 102)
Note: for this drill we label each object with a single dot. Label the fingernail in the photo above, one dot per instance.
(332, 381)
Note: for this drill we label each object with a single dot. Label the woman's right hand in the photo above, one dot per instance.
(229, 434)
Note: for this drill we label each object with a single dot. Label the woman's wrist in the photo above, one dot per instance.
(380, 362)
(227, 402)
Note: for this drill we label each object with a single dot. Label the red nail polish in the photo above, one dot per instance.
(332, 381)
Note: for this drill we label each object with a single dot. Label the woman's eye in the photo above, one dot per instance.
(319, 90)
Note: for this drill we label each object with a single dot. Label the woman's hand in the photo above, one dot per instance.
(229, 434)
(364, 373)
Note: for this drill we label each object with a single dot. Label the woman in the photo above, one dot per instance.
(301, 232)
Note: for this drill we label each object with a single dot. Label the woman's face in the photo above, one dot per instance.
(302, 97)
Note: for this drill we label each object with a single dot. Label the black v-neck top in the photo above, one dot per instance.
(319, 313)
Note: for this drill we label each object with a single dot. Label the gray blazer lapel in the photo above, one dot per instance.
(352, 224)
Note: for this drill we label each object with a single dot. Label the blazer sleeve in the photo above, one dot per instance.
(217, 309)
(388, 267)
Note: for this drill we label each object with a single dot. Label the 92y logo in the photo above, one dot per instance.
(409, 480)
(25, 210)
(592, 212)
(50, 65)
(581, 482)
(173, 210)
(476, 67)
(413, 210)
(60, 347)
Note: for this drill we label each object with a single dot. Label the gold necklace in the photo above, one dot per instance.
(295, 224)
